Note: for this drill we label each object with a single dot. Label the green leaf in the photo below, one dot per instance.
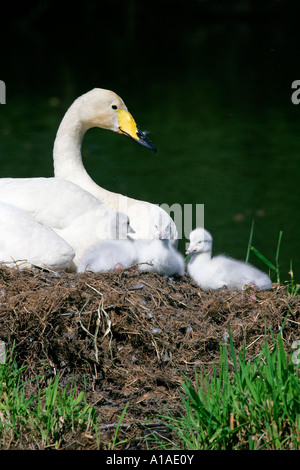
(263, 258)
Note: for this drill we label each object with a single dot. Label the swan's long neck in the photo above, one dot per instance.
(67, 156)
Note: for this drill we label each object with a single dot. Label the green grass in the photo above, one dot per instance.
(247, 405)
(51, 416)
(292, 287)
(244, 405)
(46, 417)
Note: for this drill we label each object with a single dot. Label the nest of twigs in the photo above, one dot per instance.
(129, 337)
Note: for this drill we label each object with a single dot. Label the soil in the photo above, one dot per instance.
(129, 337)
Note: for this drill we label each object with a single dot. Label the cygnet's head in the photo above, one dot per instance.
(161, 226)
(200, 241)
(103, 108)
(119, 226)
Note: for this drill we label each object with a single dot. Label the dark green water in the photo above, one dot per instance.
(216, 99)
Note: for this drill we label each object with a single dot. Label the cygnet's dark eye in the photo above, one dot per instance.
(114, 106)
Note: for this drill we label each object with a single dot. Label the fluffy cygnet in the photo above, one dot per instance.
(159, 254)
(114, 253)
(108, 255)
(220, 271)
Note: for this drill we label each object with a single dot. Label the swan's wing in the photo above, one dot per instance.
(51, 201)
(25, 241)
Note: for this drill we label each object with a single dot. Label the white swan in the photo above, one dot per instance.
(104, 109)
(108, 255)
(154, 255)
(220, 271)
(24, 242)
(66, 207)
(158, 254)
(73, 213)
(113, 253)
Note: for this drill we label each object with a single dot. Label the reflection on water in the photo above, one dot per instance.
(220, 116)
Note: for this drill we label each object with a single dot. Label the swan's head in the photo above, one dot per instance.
(103, 108)
(120, 226)
(161, 226)
(200, 241)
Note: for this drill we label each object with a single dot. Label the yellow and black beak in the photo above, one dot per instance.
(128, 127)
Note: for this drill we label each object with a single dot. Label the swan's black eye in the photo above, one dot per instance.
(114, 106)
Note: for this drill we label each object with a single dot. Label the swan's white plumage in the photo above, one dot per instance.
(113, 253)
(158, 253)
(101, 108)
(108, 255)
(154, 255)
(220, 271)
(52, 201)
(24, 242)
(73, 213)
(159, 256)
(80, 212)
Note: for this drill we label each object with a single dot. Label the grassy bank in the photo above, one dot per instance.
(244, 404)
(250, 404)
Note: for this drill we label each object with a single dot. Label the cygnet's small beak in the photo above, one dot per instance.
(190, 249)
(130, 229)
(128, 127)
